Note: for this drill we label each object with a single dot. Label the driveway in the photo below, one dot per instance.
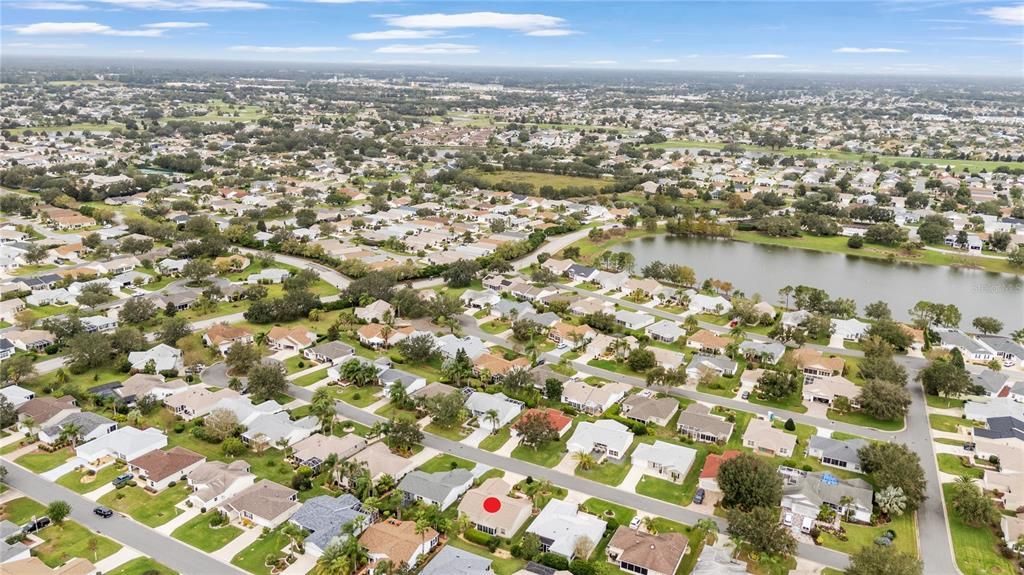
(632, 478)
(62, 469)
(216, 375)
(567, 465)
(476, 437)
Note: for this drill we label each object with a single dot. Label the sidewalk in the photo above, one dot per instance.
(123, 556)
(506, 450)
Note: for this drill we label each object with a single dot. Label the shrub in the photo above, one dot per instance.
(357, 396)
(581, 567)
(172, 484)
(179, 428)
(790, 425)
(133, 483)
(856, 242)
(302, 364)
(493, 544)
(556, 562)
(478, 537)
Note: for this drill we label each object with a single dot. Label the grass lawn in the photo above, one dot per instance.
(975, 549)
(663, 489)
(864, 536)
(357, 396)
(607, 472)
(457, 433)
(792, 403)
(494, 441)
(291, 365)
(605, 509)
(42, 461)
(947, 423)
(539, 180)
(722, 387)
(494, 327)
(142, 566)
(765, 564)
(150, 510)
(73, 480)
(614, 366)
(198, 533)
(310, 378)
(253, 558)
(546, 455)
(62, 542)
(444, 462)
(21, 510)
(864, 420)
(949, 463)
(940, 402)
(500, 566)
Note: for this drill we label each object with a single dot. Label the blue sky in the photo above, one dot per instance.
(898, 37)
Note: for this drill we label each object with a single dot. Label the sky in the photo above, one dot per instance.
(895, 37)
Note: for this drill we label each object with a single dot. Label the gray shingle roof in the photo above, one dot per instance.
(324, 516)
(435, 486)
(452, 561)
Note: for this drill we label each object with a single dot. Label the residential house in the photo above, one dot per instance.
(827, 389)
(98, 324)
(270, 429)
(90, 426)
(162, 356)
(646, 553)
(648, 409)
(124, 444)
(989, 383)
(1009, 350)
(697, 423)
(30, 339)
(268, 276)
(708, 342)
(632, 320)
(380, 461)
(314, 450)
(718, 365)
(664, 460)
(449, 346)
(715, 305)
(836, 453)
(222, 336)
(46, 411)
(763, 438)
(604, 437)
(454, 561)
(563, 529)
(850, 498)
(410, 382)
(143, 384)
(665, 330)
(559, 421)
(17, 395)
(158, 468)
(714, 560)
(10, 308)
(264, 503)
(323, 518)
(815, 364)
(511, 515)
(971, 349)
(215, 481)
(197, 402)
(376, 312)
(571, 334)
(708, 479)
(481, 405)
(479, 299)
(440, 489)
(330, 352)
(293, 338)
(1010, 486)
(1012, 529)
(397, 541)
(590, 398)
(378, 335)
(850, 329)
(770, 352)
(17, 562)
(7, 348)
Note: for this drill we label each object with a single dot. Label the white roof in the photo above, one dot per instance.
(668, 455)
(564, 525)
(606, 432)
(126, 440)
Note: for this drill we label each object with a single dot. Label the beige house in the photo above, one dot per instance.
(1010, 485)
(591, 398)
(290, 337)
(826, 389)
(639, 552)
(512, 514)
(814, 364)
(380, 461)
(765, 439)
(157, 469)
(397, 541)
(315, 449)
(707, 342)
(214, 481)
(656, 410)
(197, 402)
(265, 503)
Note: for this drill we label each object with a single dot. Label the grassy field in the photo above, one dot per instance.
(148, 509)
(62, 542)
(975, 549)
(81, 127)
(41, 461)
(357, 396)
(864, 420)
(546, 455)
(859, 536)
(605, 509)
(944, 402)
(842, 156)
(539, 180)
(198, 533)
(445, 462)
(947, 423)
(310, 378)
(142, 566)
(500, 565)
(837, 244)
(949, 463)
(253, 558)
(21, 510)
(73, 480)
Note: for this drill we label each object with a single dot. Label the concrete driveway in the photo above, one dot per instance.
(632, 478)
(476, 437)
(62, 469)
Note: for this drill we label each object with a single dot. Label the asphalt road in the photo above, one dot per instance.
(162, 548)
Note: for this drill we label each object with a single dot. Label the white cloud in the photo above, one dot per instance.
(441, 48)
(176, 25)
(663, 61)
(44, 46)
(69, 6)
(766, 57)
(527, 23)
(1000, 39)
(1013, 15)
(551, 32)
(74, 28)
(595, 62)
(288, 49)
(850, 50)
(396, 35)
(188, 5)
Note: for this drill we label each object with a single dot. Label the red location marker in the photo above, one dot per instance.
(492, 504)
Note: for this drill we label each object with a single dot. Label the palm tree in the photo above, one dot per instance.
(492, 418)
(891, 501)
(29, 423)
(584, 460)
(71, 433)
(322, 407)
(61, 377)
(650, 524)
(385, 334)
(708, 527)
(260, 338)
(295, 535)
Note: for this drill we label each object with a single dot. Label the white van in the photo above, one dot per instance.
(807, 524)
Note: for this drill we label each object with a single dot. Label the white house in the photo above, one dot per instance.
(124, 444)
(605, 436)
(480, 404)
(850, 329)
(664, 460)
(563, 529)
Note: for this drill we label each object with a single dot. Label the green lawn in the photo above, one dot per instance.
(73, 480)
(21, 510)
(494, 441)
(539, 180)
(310, 378)
(142, 566)
(444, 462)
(940, 402)
(457, 433)
(546, 455)
(614, 366)
(291, 365)
(253, 558)
(495, 327)
(500, 565)
(357, 396)
(947, 423)
(605, 509)
(792, 403)
(663, 489)
(975, 548)
(607, 472)
(864, 535)
(42, 461)
(198, 533)
(949, 463)
(864, 420)
(150, 510)
(62, 542)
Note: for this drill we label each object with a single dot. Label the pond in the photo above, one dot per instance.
(763, 269)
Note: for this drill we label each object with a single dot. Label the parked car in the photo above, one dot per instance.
(745, 395)
(33, 526)
(634, 523)
(787, 520)
(122, 479)
(103, 512)
(698, 496)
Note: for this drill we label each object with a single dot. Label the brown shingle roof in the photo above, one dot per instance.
(159, 465)
(661, 552)
(397, 540)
